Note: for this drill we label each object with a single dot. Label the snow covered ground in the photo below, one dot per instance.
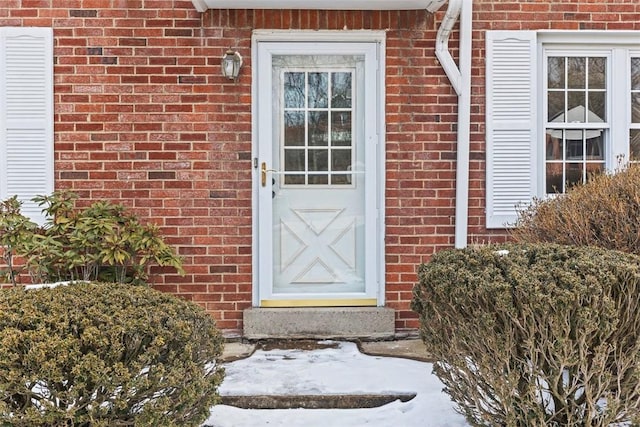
(341, 370)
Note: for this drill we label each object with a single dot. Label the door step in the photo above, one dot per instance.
(319, 322)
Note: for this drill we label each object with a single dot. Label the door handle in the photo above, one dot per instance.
(263, 173)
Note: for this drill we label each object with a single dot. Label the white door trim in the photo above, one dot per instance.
(375, 134)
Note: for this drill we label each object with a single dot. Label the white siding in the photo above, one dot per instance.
(26, 115)
(510, 124)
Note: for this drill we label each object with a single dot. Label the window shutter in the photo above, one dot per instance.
(510, 124)
(26, 115)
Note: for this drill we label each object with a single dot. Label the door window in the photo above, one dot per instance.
(317, 122)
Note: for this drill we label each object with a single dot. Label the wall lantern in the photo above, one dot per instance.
(231, 63)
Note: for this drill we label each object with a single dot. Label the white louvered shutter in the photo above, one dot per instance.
(510, 124)
(26, 115)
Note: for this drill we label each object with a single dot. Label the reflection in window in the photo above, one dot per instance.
(294, 88)
(634, 145)
(317, 122)
(572, 156)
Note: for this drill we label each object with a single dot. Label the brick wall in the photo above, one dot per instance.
(142, 116)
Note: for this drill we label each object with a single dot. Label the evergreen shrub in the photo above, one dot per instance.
(534, 335)
(101, 242)
(105, 354)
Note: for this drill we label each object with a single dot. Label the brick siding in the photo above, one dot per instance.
(143, 117)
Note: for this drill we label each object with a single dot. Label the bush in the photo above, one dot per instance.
(104, 355)
(102, 242)
(604, 212)
(544, 335)
(14, 229)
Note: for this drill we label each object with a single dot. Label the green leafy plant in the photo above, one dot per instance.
(534, 335)
(101, 242)
(105, 354)
(15, 229)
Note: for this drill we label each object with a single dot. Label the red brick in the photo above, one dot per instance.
(143, 115)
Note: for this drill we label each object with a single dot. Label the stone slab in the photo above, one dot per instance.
(324, 401)
(405, 348)
(319, 323)
(237, 350)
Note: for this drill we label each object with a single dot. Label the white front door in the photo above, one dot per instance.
(317, 182)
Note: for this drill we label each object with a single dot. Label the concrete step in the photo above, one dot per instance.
(325, 401)
(319, 323)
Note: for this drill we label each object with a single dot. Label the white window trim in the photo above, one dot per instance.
(612, 44)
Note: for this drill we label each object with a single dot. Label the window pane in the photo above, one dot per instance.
(594, 169)
(555, 105)
(554, 178)
(341, 128)
(294, 179)
(341, 90)
(574, 144)
(318, 128)
(318, 179)
(342, 179)
(554, 144)
(340, 160)
(575, 108)
(573, 175)
(293, 90)
(597, 73)
(555, 76)
(635, 107)
(318, 90)
(635, 73)
(597, 110)
(318, 160)
(595, 145)
(634, 145)
(293, 128)
(576, 77)
(294, 160)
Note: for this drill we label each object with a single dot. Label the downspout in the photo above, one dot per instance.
(460, 79)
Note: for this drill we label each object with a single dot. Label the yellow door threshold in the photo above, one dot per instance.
(356, 302)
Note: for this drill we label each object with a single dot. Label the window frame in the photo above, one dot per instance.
(515, 112)
(546, 124)
(618, 47)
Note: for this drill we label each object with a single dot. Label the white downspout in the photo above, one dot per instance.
(460, 79)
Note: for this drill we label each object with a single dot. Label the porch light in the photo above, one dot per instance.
(231, 63)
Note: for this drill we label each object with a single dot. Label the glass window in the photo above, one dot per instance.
(317, 118)
(576, 130)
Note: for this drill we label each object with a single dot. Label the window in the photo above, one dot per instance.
(561, 107)
(576, 125)
(317, 123)
(26, 115)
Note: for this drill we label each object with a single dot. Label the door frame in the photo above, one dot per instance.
(376, 136)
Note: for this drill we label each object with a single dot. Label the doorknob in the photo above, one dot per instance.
(263, 173)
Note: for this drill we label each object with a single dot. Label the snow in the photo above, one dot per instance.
(341, 370)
